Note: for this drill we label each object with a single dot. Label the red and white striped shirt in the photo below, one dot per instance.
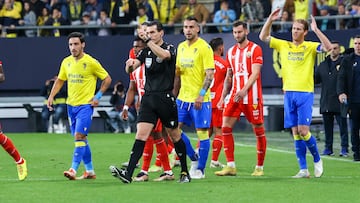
(217, 84)
(138, 76)
(241, 61)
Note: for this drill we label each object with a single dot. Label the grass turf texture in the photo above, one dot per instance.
(48, 155)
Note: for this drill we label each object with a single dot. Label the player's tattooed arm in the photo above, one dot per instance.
(208, 78)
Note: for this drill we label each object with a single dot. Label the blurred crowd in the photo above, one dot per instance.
(103, 17)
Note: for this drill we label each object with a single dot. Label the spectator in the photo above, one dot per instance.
(198, 10)
(252, 11)
(224, 16)
(76, 8)
(122, 13)
(290, 8)
(326, 74)
(38, 6)
(86, 20)
(10, 14)
(141, 16)
(117, 100)
(151, 9)
(59, 108)
(355, 10)
(342, 12)
(56, 20)
(331, 4)
(325, 24)
(104, 20)
(167, 10)
(301, 9)
(93, 7)
(61, 5)
(285, 22)
(45, 15)
(348, 89)
(29, 19)
(277, 4)
(233, 4)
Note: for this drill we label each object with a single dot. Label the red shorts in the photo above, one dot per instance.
(216, 117)
(158, 127)
(253, 112)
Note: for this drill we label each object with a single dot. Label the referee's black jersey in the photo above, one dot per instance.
(159, 73)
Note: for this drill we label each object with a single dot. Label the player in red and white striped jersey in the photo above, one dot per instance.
(221, 66)
(245, 59)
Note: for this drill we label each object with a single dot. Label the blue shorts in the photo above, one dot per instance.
(80, 118)
(298, 108)
(188, 114)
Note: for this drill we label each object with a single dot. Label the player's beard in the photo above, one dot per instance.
(241, 40)
(76, 53)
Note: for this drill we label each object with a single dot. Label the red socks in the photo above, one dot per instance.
(228, 143)
(216, 147)
(8, 145)
(260, 145)
(162, 154)
(147, 154)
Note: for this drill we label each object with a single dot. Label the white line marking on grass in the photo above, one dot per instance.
(292, 152)
(288, 152)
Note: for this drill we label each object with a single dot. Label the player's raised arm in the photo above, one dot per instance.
(266, 30)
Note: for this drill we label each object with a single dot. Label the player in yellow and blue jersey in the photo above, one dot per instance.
(81, 72)
(297, 62)
(195, 71)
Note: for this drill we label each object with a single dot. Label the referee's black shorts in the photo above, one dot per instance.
(159, 105)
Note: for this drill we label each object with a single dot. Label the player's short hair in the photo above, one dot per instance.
(190, 18)
(216, 42)
(79, 35)
(304, 22)
(240, 23)
(159, 26)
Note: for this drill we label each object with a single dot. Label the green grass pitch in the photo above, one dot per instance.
(48, 155)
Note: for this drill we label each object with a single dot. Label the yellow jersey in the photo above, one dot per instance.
(297, 64)
(193, 61)
(81, 77)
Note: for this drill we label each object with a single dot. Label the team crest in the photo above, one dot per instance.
(248, 54)
(84, 66)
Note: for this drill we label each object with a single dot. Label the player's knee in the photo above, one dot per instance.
(259, 130)
(303, 131)
(226, 130)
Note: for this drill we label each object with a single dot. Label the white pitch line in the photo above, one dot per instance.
(292, 152)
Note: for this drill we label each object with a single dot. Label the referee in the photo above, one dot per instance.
(158, 101)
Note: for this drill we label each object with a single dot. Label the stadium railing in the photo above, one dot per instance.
(251, 26)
